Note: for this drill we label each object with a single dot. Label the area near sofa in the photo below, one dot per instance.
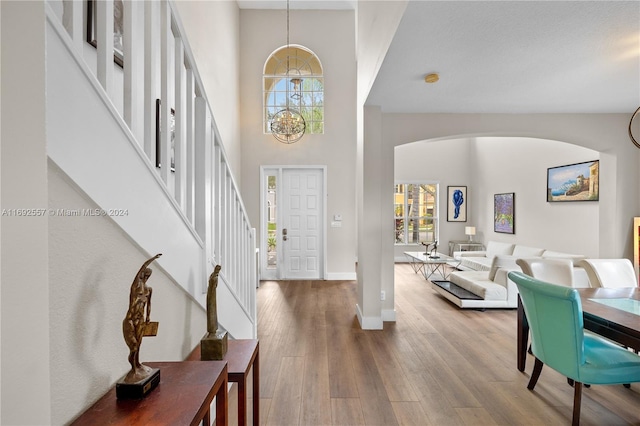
(484, 274)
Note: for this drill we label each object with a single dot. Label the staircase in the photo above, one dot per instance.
(144, 138)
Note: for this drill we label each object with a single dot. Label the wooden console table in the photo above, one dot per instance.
(242, 354)
(183, 397)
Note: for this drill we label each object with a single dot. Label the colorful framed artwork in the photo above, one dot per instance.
(636, 246)
(456, 203)
(574, 182)
(504, 213)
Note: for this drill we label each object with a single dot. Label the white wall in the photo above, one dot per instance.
(567, 227)
(605, 133)
(24, 280)
(212, 28)
(92, 264)
(262, 32)
(448, 163)
(482, 164)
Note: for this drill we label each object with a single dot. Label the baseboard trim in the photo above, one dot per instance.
(341, 276)
(389, 315)
(368, 323)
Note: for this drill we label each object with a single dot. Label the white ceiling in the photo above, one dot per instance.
(513, 56)
(507, 56)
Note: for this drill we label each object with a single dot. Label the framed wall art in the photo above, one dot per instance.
(456, 203)
(636, 246)
(118, 26)
(574, 182)
(504, 213)
(172, 127)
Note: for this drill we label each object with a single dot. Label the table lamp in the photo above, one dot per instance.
(470, 231)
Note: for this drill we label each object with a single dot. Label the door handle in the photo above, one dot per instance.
(284, 234)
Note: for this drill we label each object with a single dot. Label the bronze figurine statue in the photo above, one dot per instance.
(213, 345)
(212, 303)
(136, 323)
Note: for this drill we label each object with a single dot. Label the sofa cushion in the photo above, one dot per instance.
(494, 248)
(525, 251)
(502, 261)
(476, 263)
(478, 283)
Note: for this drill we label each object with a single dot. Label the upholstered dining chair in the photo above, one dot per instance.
(555, 271)
(611, 273)
(558, 340)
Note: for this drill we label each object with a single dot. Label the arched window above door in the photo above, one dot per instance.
(293, 77)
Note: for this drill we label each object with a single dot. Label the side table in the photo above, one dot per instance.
(242, 354)
(464, 245)
(183, 397)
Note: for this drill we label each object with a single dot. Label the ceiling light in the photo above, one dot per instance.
(431, 78)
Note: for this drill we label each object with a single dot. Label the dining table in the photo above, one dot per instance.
(613, 313)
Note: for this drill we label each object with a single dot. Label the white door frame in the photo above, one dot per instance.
(277, 274)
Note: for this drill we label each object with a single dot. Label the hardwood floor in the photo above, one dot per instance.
(436, 365)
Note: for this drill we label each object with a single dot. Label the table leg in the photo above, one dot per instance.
(523, 336)
(222, 405)
(242, 401)
(432, 268)
(256, 388)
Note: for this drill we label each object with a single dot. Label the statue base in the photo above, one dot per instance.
(213, 346)
(138, 390)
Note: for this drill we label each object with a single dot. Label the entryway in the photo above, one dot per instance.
(292, 220)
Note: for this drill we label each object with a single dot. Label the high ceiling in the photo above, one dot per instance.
(507, 56)
(513, 56)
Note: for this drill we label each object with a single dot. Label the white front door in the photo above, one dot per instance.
(302, 223)
(292, 223)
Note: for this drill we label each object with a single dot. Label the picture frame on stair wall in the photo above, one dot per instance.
(118, 27)
(172, 128)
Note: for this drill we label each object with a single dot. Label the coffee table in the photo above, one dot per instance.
(429, 264)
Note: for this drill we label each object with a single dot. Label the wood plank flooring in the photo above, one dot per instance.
(436, 365)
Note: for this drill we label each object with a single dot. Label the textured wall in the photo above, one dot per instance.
(92, 264)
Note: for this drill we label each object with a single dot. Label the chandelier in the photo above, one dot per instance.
(288, 125)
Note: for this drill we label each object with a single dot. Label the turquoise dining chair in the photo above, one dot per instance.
(558, 340)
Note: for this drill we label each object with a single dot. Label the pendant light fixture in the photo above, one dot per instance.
(288, 125)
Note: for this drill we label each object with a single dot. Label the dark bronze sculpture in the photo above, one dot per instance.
(213, 345)
(141, 379)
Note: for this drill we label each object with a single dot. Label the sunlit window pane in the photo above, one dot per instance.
(416, 213)
(292, 77)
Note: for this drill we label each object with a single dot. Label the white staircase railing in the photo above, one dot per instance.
(147, 70)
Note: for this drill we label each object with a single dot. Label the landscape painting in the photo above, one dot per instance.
(574, 182)
(504, 213)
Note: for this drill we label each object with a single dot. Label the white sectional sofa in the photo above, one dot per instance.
(482, 280)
